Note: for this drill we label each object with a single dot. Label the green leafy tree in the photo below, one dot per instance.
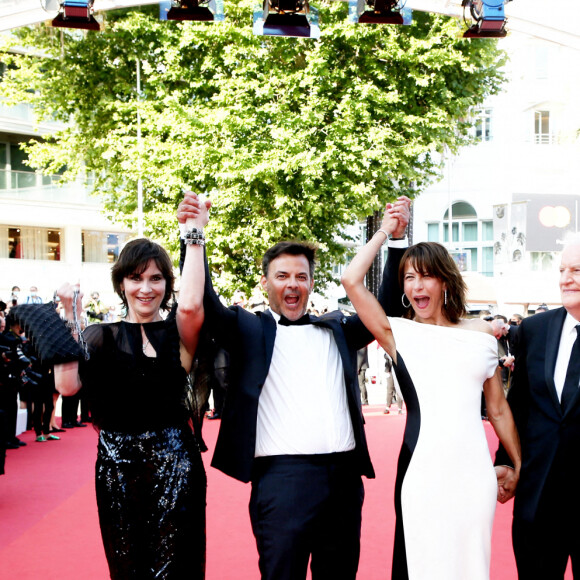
(292, 138)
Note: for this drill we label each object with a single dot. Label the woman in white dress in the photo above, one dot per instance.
(446, 488)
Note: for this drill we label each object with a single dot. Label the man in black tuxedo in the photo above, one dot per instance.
(545, 402)
(292, 422)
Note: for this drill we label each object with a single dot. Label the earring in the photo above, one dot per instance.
(445, 297)
(403, 301)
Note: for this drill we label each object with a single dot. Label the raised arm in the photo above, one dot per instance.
(218, 317)
(367, 306)
(390, 290)
(190, 312)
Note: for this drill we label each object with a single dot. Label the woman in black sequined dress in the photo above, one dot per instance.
(150, 479)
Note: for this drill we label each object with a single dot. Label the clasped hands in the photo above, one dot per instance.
(508, 362)
(507, 481)
(396, 217)
(193, 207)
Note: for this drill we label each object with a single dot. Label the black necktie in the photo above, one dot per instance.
(572, 374)
(302, 320)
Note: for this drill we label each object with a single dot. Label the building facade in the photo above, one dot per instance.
(511, 199)
(49, 233)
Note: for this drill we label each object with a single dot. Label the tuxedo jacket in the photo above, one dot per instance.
(550, 436)
(249, 339)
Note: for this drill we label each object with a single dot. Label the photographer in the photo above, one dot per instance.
(95, 309)
(13, 365)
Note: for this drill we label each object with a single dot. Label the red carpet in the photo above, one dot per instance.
(50, 530)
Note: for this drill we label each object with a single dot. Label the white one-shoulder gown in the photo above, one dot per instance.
(446, 486)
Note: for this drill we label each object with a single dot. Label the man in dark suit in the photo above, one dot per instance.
(292, 423)
(545, 401)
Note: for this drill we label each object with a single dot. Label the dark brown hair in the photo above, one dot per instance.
(433, 259)
(135, 258)
(292, 248)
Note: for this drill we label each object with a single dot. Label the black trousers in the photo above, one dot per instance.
(70, 407)
(307, 506)
(543, 547)
(9, 404)
(43, 407)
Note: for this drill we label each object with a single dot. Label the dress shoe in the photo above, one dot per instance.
(79, 424)
(68, 425)
(52, 438)
(18, 442)
(41, 439)
(11, 445)
(214, 415)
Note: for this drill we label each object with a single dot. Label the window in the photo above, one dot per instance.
(483, 125)
(16, 174)
(24, 243)
(3, 164)
(102, 247)
(487, 261)
(21, 174)
(472, 239)
(454, 230)
(487, 231)
(542, 134)
(469, 232)
(433, 232)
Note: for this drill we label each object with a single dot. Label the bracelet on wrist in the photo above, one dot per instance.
(194, 236)
(72, 326)
(381, 231)
(393, 239)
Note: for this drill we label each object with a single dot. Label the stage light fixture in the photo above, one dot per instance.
(489, 17)
(198, 10)
(76, 14)
(286, 18)
(378, 12)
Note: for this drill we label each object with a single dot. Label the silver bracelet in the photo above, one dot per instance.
(194, 236)
(383, 232)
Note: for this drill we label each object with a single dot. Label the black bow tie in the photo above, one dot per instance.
(302, 320)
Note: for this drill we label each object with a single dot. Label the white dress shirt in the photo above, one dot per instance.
(567, 339)
(303, 407)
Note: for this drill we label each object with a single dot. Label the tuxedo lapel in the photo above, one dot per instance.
(552, 346)
(269, 326)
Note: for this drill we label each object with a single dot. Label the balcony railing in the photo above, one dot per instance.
(32, 186)
(22, 112)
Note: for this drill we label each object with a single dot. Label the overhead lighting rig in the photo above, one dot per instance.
(76, 14)
(286, 18)
(375, 12)
(198, 10)
(488, 17)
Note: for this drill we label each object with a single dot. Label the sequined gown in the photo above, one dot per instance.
(150, 479)
(446, 489)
